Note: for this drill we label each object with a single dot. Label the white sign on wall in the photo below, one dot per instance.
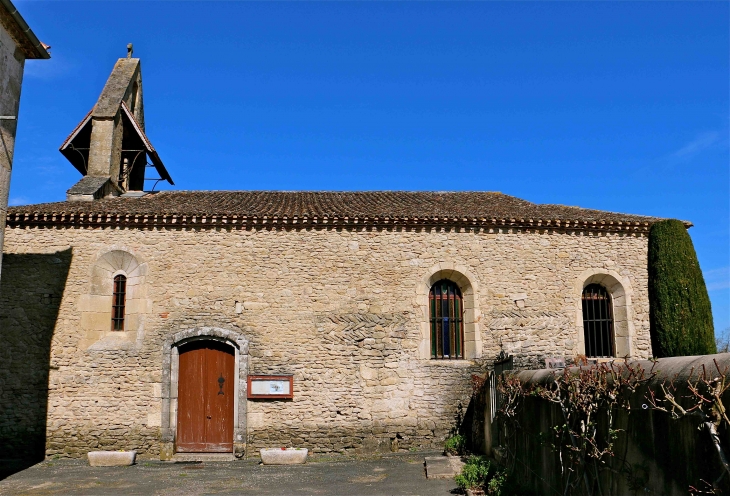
(270, 387)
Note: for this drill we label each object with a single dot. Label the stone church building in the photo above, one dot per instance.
(228, 321)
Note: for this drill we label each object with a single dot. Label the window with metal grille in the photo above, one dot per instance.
(118, 300)
(447, 320)
(598, 322)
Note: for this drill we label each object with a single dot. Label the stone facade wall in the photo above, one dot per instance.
(342, 310)
(12, 62)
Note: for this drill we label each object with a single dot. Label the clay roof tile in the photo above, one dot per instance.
(383, 204)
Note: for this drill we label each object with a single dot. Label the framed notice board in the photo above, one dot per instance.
(270, 387)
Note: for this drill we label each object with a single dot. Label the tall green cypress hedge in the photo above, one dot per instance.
(679, 307)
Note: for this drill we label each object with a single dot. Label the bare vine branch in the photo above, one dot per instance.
(704, 402)
(581, 394)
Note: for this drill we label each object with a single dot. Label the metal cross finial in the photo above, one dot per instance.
(129, 50)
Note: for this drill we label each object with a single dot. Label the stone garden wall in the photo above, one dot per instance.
(342, 310)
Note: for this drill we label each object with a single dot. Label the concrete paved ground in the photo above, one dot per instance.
(397, 474)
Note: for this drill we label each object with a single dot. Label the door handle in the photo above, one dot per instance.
(208, 417)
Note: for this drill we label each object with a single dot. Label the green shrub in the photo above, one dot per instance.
(475, 473)
(498, 484)
(478, 472)
(679, 307)
(455, 445)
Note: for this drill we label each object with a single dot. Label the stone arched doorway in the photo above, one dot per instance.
(205, 397)
(201, 344)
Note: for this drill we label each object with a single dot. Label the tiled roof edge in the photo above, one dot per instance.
(21, 33)
(175, 221)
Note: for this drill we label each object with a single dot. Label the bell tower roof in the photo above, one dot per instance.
(110, 144)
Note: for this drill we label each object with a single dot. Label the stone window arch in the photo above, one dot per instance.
(598, 332)
(618, 292)
(119, 300)
(446, 320)
(467, 284)
(97, 305)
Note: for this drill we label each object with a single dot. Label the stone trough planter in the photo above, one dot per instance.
(111, 458)
(288, 456)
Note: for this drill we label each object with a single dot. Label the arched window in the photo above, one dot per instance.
(598, 322)
(118, 301)
(133, 101)
(447, 320)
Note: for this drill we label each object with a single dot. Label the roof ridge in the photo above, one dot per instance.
(326, 191)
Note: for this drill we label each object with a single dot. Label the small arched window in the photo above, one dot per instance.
(598, 322)
(118, 301)
(133, 101)
(447, 320)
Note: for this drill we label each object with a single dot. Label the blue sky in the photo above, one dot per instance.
(618, 106)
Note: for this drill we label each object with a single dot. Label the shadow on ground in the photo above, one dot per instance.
(401, 474)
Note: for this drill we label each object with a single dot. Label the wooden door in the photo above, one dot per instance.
(205, 398)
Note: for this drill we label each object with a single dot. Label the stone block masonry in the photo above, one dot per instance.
(340, 309)
(17, 43)
(12, 61)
